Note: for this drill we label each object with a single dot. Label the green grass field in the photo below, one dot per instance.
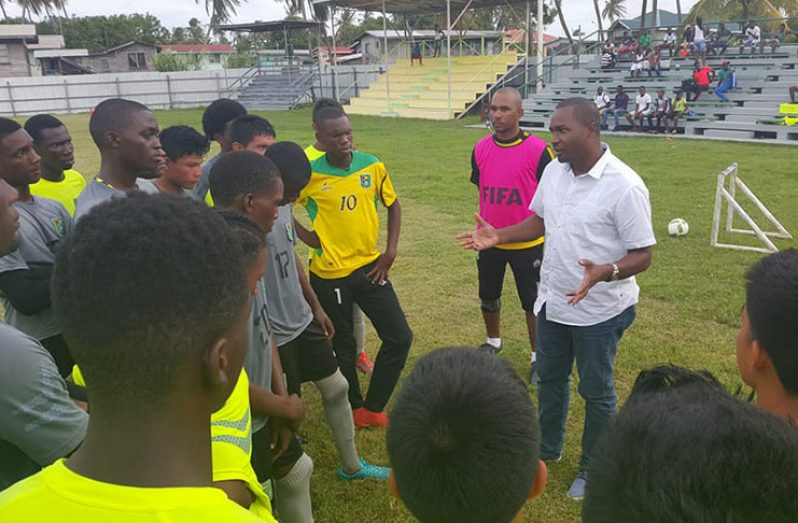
(691, 296)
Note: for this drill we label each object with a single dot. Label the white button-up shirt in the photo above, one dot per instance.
(597, 216)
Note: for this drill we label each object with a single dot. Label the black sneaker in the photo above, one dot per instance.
(490, 349)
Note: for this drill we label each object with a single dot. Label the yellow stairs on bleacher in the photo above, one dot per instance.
(422, 91)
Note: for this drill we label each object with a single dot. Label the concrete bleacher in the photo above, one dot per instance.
(422, 91)
(752, 113)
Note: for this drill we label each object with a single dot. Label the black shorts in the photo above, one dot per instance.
(525, 264)
(309, 357)
(261, 459)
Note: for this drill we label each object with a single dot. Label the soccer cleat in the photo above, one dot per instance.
(364, 364)
(365, 418)
(577, 490)
(367, 471)
(490, 349)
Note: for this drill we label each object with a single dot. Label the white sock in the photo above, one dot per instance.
(334, 396)
(495, 342)
(359, 328)
(533, 357)
(292, 493)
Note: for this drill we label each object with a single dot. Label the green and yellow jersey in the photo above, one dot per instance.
(342, 205)
(312, 153)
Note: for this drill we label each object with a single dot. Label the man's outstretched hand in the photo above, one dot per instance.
(483, 237)
(593, 274)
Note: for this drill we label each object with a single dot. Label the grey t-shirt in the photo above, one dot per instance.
(204, 185)
(289, 312)
(258, 362)
(96, 193)
(38, 422)
(43, 223)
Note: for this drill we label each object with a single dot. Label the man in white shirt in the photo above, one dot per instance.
(595, 213)
(642, 109)
(603, 104)
(752, 36)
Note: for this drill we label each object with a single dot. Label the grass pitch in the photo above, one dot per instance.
(691, 296)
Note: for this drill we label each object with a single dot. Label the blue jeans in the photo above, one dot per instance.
(618, 113)
(594, 349)
(725, 86)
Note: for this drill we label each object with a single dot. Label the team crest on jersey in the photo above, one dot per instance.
(289, 231)
(365, 181)
(325, 187)
(58, 225)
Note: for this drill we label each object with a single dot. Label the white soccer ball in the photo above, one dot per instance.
(678, 227)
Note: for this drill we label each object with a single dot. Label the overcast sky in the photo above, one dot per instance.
(177, 12)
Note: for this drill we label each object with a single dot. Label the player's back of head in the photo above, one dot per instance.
(772, 308)
(294, 167)
(143, 289)
(218, 114)
(244, 129)
(112, 115)
(38, 123)
(464, 440)
(241, 173)
(179, 141)
(684, 449)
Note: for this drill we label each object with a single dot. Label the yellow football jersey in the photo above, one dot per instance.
(231, 443)
(312, 153)
(59, 494)
(66, 191)
(342, 205)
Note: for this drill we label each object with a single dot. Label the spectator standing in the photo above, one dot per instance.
(699, 41)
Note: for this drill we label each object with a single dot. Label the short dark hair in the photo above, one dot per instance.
(323, 103)
(8, 126)
(244, 129)
(218, 114)
(241, 172)
(690, 451)
(36, 124)
(585, 111)
(464, 440)
(328, 113)
(166, 282)
(181, 140)
(772, 305)
(111, 115)
(293, 164)
(249, 236)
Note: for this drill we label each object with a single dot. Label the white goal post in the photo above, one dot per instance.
(729, 183)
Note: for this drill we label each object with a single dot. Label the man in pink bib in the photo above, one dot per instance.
(507, 167)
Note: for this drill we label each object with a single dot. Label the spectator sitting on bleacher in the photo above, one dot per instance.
(653, 59)
(607, 59)
(751, 37)
(621, 106)
(628, 44)
(609, 48)
(678, 107)
(721, 40)
(643, 108)
(603, 104)
(638, 64)
(687, 35)
(726, 81)
(702, 78)
(645, 39)
(670, 42)
(776, 39)
(661, 110)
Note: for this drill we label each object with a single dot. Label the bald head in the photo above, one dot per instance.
(583, 110)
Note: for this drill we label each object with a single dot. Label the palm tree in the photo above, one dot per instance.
(654, 13)
(643, 15)
(37, 7)
(743, 9)
(679, 11)
(561, 16)
(598, 18)
(220, 11)
(614, 10)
